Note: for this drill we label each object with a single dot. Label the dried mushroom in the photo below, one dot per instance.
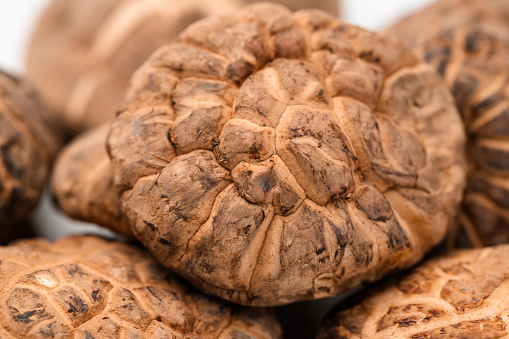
(99, 44)
(474, 61)
(461, 295)
(86, 287)
(270, 157)
(27, 145)
(82, 182)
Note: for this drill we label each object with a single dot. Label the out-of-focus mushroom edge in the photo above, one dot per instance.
(82, 182)
(460, 295)
(28, 141)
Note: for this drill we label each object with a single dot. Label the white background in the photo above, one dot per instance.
(17, 19)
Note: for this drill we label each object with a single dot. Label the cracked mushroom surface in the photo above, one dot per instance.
(100, 43)
(87, 287)
(27, 144)
(473, 59)
(461, 295)
(272, 156)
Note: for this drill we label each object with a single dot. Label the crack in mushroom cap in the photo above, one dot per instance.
(461, 295)
(272, 156)
(28, 142)
(87, 287)
(473, 59)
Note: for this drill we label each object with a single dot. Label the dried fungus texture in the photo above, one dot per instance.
(474, 62)
(270, 157)
(100, 43)
(461, 295)
(82, 182)
(27, 143)
(447, 14)
(86, 287)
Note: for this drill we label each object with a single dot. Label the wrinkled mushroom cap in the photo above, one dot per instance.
(27, 144)
(86, 287)
(462, 295)
(270, 157)
(82, 182)
(473, 59)
(475, 64)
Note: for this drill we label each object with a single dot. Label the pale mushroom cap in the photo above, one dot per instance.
(472, 55)
(27, 144)
(271, 157)
(461, 295)
(86, 287)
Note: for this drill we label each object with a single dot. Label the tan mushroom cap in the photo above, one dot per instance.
(270, 157)
(99, 43)
(27, 145)
(473, 59)
(461, 295)
(86, 287)
(82, 182)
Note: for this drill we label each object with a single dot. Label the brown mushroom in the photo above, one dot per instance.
(473, 59)
(461, 295)
(270, 157)
(86, 287)
(27, 144)
(83, 185)
(99, 43)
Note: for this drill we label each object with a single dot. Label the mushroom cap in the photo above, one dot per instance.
(85, 286)
(270, 157)
(461, 295)
(28, 142)
(473, 59)
(82, 182)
